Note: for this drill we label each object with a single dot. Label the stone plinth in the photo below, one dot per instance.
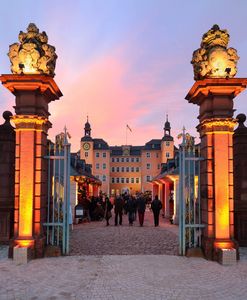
(215, 100)
(33, 94)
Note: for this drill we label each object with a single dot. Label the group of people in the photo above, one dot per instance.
(132, 205)
(101, 208)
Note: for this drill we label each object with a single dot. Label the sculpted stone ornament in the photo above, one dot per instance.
(213, 59)
(33, 55)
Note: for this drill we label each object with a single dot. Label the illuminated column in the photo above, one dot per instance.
(33, 63)
(215, 65)
(215, 98)
(176, 201)
(155, 190)
(33, 93)
(167, 195)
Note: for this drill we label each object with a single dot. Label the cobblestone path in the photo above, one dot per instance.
(95, 238)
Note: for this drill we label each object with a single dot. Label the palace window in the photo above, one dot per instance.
(86, 154)
(132, 180)
(104, 178)
(104, 166)
(122, 169)
(137, 180)
(122, 180)
(127, 169)
(148, 178)
(117, 159)
(122, 159)
(148, 166)
(127, 180)
(137, 169)
(104, 154)
(113, 180)
(112, 169)
(157, 154)
(117, 170)
(132, 169)
(137, 159)
(167, 154)
(97, 166)
(97, 154)
(127, 159)
(132, 159)
(112, 159)
(117, 180)
(167, 143)
(148, 154)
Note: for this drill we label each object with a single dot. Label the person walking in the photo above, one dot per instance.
(118, 210)
(131, 209)
(156, 206)
(108, 208)
(141, 207)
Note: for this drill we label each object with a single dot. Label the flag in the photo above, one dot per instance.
(128, 128)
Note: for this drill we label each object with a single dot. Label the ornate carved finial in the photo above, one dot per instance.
(213, 59)
(7, 115)
(241, 118)
(33, 55)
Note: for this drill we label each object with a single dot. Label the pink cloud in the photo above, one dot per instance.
(112, 96)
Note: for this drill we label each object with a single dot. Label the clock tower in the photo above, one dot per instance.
(167, 143)
(86, 150)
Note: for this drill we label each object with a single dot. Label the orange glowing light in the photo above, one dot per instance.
(224, 245)
(25, 243)
(26, 130)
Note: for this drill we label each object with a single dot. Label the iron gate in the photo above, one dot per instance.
(190, 226)
(58, 203)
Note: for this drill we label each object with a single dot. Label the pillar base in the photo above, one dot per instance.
(36, 247)
(212, 247)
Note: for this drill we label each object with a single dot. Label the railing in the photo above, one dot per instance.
(58, 202)
(190, 226)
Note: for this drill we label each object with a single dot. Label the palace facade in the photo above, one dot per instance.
(126, 168)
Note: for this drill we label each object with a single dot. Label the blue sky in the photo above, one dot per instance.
(123, 62)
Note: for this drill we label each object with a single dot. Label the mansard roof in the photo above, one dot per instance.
(118, 150)
(100, 144)
(153, 144)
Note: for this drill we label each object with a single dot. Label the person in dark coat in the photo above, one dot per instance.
(156, 206)
(118, 210)
(108, 208)
(131, 207)
(141, 207)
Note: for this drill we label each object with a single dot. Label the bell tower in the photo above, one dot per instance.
(167, 143)
(86, 149)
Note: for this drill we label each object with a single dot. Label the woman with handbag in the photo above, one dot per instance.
(108, 208)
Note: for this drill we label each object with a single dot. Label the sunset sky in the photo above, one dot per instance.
(123, 61)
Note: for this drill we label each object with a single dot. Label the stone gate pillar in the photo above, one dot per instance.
(7, 178)
(34, 88)
(240, 181)
(214, 91)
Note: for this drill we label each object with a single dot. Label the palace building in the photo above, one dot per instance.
(126, 168)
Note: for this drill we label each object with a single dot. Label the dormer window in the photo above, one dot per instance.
(153, 146)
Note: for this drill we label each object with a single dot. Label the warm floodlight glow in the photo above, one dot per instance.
(218, 62)
(25, 243)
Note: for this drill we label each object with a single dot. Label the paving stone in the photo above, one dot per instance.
(96, 238)
(125, 277)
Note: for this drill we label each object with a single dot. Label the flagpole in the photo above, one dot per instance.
(126, 135)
